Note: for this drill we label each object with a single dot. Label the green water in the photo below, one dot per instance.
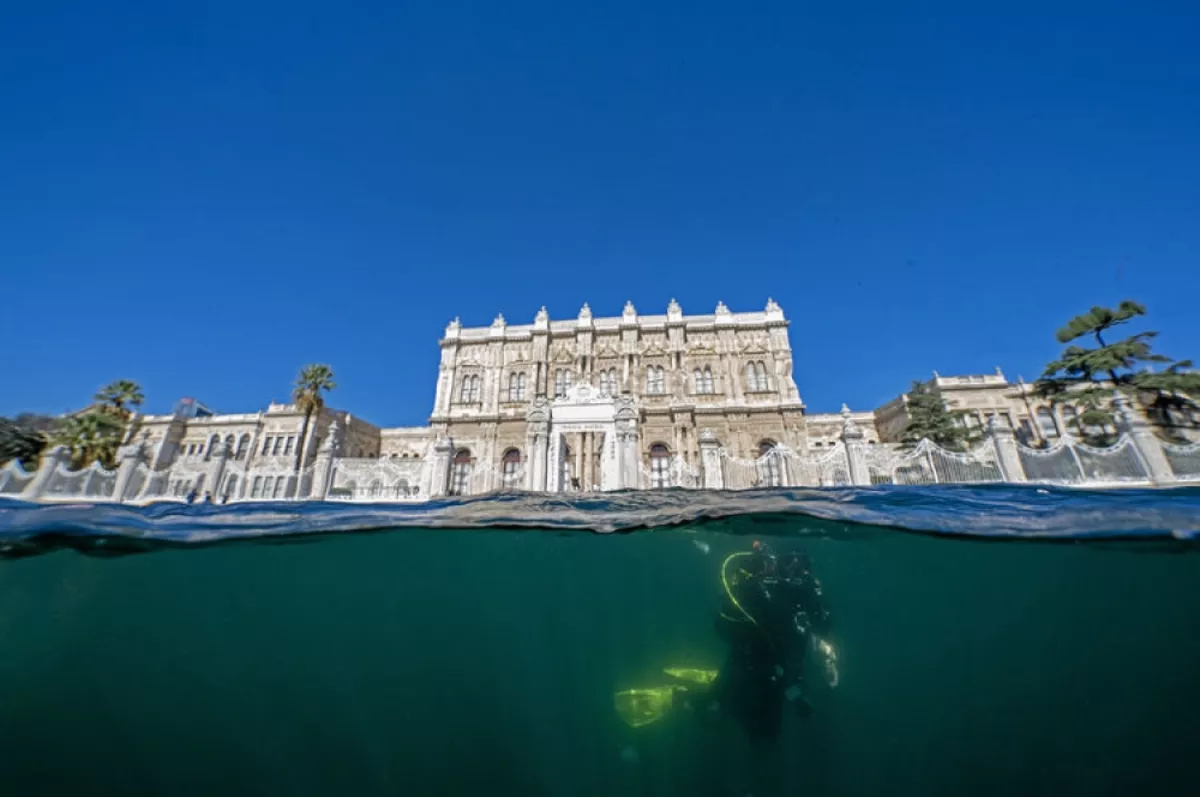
(454, 663)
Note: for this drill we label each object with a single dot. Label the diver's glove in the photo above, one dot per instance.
(828, 660)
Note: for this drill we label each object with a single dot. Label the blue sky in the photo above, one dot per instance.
(204, 196)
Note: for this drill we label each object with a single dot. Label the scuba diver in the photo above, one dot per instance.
(771, 616)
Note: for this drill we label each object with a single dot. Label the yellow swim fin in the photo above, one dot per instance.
(640, 707)
(692, 675)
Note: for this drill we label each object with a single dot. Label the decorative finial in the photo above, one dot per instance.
(585, 312)
(629, 309)
(542, 319)
(850, 430)
(499, 322)
(722, 309)
(772, 305)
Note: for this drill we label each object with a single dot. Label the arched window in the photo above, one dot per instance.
(231, 485)
(375, 488)
(468, 392)
(460, 472)
(516, 387)
(756, 377)
(510, 467)
(608, 382)
(280, 484)
(563, 378)
(256, 487)
(242, 447)
(704, 381)
(655, 381)
(660, 466)
(770, 464)
(1047, 423)
(402, 490)
(214, 443)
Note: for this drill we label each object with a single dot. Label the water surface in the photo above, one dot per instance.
(993, 641)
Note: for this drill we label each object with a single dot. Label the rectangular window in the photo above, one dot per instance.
(267, 446)
(287, 448)
(256, 489)
(276, 446)
(280, 481)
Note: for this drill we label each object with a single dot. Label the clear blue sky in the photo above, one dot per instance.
(204, 196)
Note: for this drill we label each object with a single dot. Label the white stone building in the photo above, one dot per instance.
(590, 403)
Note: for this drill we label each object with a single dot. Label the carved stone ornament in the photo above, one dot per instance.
(583, 393)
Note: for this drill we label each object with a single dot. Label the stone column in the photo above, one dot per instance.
(578, 474)
(710, 461)
(856, 460)
(130, 456)
(1148, 448)
(537, 441)
(218, 470)
(439, 467)
(628, 448)
(51, 460)
(1009, 457)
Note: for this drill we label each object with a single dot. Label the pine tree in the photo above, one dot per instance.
(928, 418)
(1090, 377)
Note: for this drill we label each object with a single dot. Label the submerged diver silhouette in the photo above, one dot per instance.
(772, 615)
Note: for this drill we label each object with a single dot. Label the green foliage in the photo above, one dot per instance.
(120, 397)
(91, 436)
(1089, 377)
(23, 438)
(928, 418)
(312, 381)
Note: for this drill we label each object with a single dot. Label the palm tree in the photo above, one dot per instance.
(121, 397)
(91, 436)
(312, 381)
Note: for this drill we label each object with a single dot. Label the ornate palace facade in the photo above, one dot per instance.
(586, 403)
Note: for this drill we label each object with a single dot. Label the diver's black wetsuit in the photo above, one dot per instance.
(768, 636)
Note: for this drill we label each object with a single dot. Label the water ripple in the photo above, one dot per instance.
(992, 511)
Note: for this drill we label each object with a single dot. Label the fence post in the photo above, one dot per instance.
(852, 441)
(1144, 442)
(130, 456)
(710, 461)
(51, 460)
(322, 474)
(1005, 441)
